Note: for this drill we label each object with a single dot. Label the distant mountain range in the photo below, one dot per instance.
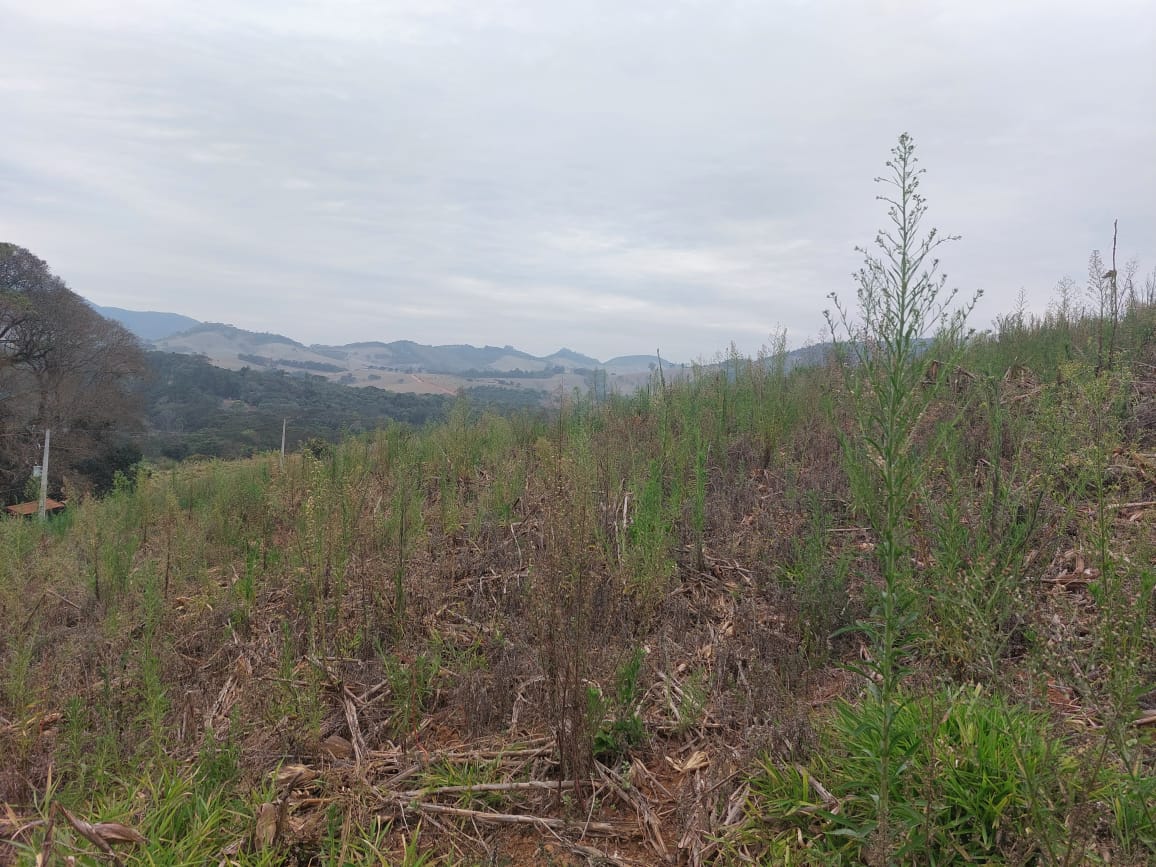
(399, 366)
(147, 324)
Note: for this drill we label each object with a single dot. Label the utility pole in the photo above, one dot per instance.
(44, 475)
(283, 423)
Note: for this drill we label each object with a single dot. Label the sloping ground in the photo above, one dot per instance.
(224, 344)
(469, 690)
(597, 640)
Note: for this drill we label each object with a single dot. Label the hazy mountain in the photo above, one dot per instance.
(406, 355)
(634, 363)
(147, 324)
(570, 359)
(230, 347)
(402, 365)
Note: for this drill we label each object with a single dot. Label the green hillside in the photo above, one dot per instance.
(195, 408)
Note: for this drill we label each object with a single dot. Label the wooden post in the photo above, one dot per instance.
(283, 423)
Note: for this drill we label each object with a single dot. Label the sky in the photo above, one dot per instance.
(614, 177)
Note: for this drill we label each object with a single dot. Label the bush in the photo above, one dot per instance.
(979, 780)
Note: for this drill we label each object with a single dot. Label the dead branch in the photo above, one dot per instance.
(606, 829)
(527, 785)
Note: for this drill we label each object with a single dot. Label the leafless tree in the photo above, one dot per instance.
(1128, 285)
(1104, 291)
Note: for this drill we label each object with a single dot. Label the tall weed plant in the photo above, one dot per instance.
(903, 303)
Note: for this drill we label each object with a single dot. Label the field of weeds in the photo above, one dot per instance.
(633, 632)
(894, 609)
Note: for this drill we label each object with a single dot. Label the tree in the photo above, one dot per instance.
(25, 282)
(1104, 290)
(62, 367)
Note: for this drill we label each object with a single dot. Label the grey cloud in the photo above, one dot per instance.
(601, 175)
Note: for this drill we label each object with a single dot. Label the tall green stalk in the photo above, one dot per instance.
(892, 380)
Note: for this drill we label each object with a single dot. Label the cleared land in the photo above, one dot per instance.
(643, 631)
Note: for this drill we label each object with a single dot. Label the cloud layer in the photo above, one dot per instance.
(612, 177)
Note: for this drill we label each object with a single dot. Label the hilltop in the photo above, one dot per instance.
(148, 325)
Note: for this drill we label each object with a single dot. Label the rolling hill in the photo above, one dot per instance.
(405, 366)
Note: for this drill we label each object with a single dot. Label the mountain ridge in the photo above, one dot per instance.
(147, 324)
(160, 328)
(403, 366)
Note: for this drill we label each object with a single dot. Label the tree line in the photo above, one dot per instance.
(194, 409)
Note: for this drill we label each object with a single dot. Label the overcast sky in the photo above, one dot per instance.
(610, 176)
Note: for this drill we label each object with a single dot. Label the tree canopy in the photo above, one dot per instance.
(63, 367)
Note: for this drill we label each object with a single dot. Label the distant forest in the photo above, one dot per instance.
(194, 408)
